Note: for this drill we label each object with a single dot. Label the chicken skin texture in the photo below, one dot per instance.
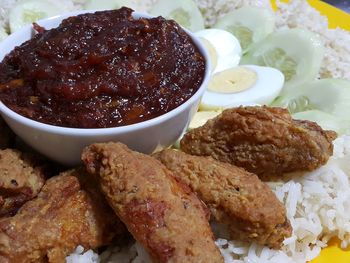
(164, 215)
(263, 140)
(67, 212)
(21, 179)
(235, 197)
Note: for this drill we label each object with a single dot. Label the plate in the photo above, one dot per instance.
(336, 18)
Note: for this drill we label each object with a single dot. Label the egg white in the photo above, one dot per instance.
(268, 85)
(226, 45)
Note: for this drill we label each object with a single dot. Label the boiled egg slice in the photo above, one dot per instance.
(201, 117)
(223, 47)
(243, 85)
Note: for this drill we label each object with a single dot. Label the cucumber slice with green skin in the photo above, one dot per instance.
(185, 12)
(331, 96)
(297, 53)
(248, 24)
(325, 120)
(107, 4)
(28, 11)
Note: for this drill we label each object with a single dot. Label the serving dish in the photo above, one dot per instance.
(336, 18)
(64, 145)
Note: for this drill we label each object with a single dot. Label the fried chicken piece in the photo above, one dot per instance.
(263, 140)
(236, 198)
(69, 211)
(161, 213)
(6, 135)
(21, 179)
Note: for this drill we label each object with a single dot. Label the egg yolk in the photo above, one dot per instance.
(233, 80)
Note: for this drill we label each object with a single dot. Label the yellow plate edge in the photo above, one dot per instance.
(336, 17)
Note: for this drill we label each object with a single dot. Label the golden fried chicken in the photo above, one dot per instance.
(161, 213)
(236, 198)
(69, 211)
(263, 140)
(21, 179)
(6, 135)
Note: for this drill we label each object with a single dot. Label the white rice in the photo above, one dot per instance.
(317, 203)
(79, 256)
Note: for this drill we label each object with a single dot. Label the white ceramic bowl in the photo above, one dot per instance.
(64, 145)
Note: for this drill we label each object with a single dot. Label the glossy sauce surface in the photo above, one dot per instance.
(99, 70)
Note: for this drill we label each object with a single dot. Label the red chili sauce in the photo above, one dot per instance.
(100, 70)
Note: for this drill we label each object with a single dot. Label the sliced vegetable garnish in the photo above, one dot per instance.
(248, 24)
(185, 12)
(106, 4)
(297, 53)
(3, 34)
(325, 120)
(28, 11)
(328, 95)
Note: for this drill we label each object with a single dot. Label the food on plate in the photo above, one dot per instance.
(329, 97)
(3, 34)
(163, 214)
(325, 120)
(21, 179)
(6, 135)
(297, 53)
(263, 140)
(69, 211)
(28, 11)
(96, 82)
(184, 12)
(316, 202)
(243, 85)
(249, 24)
(223, 47)
(201, 117)
(235, 197)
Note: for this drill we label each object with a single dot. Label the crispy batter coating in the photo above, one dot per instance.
(236, 198)
(68, 212)
(263, 140)
(6, 135)
(21, 179)
(162, 214)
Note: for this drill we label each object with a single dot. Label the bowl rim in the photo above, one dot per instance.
(86, 132)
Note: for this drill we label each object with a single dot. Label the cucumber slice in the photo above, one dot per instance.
(328, 95)
(107, 4)
(248, 24)
(185, 12)
(28, 11)
(297, 53)
(3, 34)
(325, 120)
